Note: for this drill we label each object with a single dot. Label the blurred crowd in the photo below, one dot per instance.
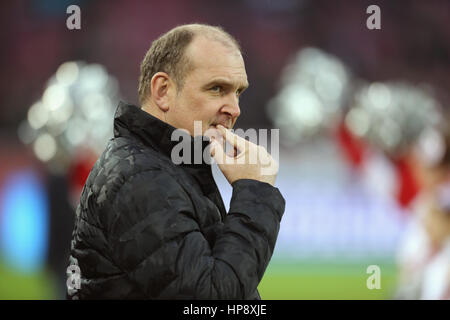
(424, 255)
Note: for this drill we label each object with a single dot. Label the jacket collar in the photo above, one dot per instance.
(132, 120)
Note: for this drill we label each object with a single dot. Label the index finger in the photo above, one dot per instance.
(233, 139)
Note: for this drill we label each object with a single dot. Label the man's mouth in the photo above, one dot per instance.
(227, 125)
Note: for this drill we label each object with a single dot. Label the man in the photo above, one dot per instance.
(147, 227)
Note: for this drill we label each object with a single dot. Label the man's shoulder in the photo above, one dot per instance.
(125, 174)
(123, 159)
(127, 156)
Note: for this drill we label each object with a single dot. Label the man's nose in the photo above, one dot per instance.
(232, 107)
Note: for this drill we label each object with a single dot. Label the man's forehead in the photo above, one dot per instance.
(213, 60)
(237, 80)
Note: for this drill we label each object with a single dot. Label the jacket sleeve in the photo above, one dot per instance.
(157, 241)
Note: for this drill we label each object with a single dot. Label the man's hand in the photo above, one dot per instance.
(250, 161)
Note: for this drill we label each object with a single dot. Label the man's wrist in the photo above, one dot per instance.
(255, 191)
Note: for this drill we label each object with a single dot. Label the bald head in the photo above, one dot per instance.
(169, 54)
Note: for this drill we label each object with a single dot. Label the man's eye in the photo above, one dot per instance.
(216, 89)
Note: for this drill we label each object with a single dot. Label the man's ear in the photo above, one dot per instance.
(161, 86)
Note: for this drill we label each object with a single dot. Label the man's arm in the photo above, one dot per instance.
(157, 241)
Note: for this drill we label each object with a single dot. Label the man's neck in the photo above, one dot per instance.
(154, 112)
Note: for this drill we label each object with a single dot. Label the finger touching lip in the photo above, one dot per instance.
(214, 133)
(225, 123)
(221, 127)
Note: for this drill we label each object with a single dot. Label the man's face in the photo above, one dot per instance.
(211, 89)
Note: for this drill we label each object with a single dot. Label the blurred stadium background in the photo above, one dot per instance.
(351, 103)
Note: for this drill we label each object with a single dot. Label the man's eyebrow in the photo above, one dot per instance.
(221, 81)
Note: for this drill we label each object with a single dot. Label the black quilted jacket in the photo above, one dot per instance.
(147, 228)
